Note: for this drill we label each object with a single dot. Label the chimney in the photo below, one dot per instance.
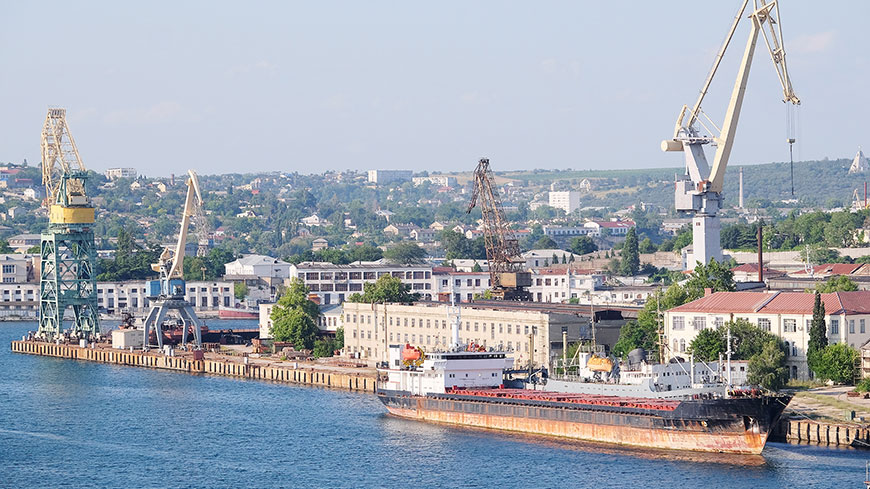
(740, 203)
(707, 291)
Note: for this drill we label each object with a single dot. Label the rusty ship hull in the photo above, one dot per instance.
(733, 425)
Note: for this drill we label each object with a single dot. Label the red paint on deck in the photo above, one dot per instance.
(588, 399)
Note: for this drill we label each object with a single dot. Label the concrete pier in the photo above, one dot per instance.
(221, 365)
(807, 431)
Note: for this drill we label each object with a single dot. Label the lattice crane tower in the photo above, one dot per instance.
(68, 255)
(507, 279)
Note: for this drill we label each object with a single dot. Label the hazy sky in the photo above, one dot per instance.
(311, 86)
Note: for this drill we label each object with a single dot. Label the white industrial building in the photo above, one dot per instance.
(333, 284)
(260, 266)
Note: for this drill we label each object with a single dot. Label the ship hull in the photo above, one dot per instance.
(237, 313)
(725, 426)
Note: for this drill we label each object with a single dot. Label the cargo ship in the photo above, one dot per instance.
(467, 386)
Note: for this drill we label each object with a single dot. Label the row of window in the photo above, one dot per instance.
(409, 275)
(678, 323)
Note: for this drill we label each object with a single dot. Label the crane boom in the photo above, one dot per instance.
(701, 189)
(171, 262)
(502, 248)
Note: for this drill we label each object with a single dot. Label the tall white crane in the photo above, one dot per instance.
(167, 293)
(700, 190)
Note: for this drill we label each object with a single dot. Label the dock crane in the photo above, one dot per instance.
(167, 293)
(507, 279)
(700, 190)
(67, 251)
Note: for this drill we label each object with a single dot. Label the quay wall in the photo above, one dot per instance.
(226, 367)
(814, 432)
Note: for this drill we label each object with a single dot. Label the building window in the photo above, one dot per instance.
(764, 324)
(787, 348)
(718, 322)
(861, 325)
(682, 346)
(851, 326)
(789, 325)
(835, 326)
(8, 268)
(699, 322)
(678, 323)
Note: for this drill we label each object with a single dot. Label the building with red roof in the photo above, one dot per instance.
(784, 314)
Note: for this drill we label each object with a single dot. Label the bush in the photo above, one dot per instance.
(863, 386)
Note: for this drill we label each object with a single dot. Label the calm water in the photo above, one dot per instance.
(66, 423)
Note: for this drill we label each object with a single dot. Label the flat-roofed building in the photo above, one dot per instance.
(389, 176)
(333, 284)
(568, 201)
(115, 173)
(369, 329)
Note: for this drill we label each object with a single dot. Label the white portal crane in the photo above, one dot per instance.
(167, 293)
(700, 190)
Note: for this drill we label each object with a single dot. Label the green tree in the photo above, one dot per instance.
(647, 246)
(476, 267)
(747, 339)
(324, 348)
(4, 246)
(818, 333)
(716, 276)
(836, 363)
(707, 345)
(294, 317)
(582, 245)
(644, 333)
(767, 368)
(405, 253)
(837, 283)
(629, 262)
(546, 243)
(339, 338)
(386, 289)
(240, 290)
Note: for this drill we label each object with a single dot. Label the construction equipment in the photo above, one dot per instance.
(700, 190)
(67, 250)
(507, 278)
(167, 293)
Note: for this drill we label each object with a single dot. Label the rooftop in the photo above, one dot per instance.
(857, 302)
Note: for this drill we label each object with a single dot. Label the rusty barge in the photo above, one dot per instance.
(467, 388)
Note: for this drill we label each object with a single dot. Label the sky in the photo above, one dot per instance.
(235, 87)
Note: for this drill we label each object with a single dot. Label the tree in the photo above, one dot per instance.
(747, 339)
(294, 317)
(818, 333)
(629, 263)
(296, 327)
(707, 345)
(405, 253)
(386, 289)
(767, 368)
(339, 338)
(4, 246)
(476, 268)
(836, 363)
(644, 333)
(647, 246)
(838, 283)
(240, 290)
(546, 243)
(716, 276)
(582, 245)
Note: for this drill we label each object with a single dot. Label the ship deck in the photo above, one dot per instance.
(570, 398)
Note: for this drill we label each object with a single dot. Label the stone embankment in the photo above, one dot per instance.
(211, 363)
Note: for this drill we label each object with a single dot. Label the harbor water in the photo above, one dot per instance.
(67, 423)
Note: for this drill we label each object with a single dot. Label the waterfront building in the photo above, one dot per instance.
(370, 328)
(785, 314)
(561, 284)
(19, 300)
(16, 268)
(132, 296)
